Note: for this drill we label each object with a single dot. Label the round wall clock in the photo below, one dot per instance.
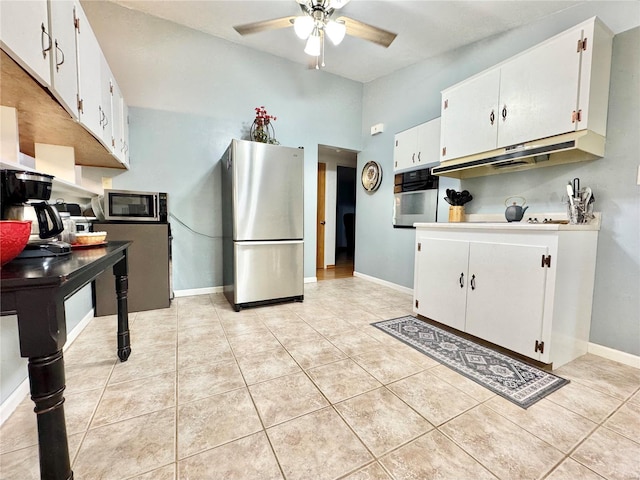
(371, 176)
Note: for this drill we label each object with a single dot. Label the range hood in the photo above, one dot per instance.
(567, 148)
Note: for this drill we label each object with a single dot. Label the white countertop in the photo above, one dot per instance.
(497, 222)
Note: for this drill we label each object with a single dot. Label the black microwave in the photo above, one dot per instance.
(133, 206)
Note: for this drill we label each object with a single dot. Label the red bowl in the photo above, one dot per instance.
(14, 235)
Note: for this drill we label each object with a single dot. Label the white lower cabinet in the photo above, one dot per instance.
(526, 290)
(506, 288)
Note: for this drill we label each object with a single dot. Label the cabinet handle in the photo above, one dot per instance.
(473, 282)
(62, 53)
(413, 158)
(106, 120)
(504, 112)
(492, 117)
(461, 280)
(44, 50)
(419, 159)
(101, 115)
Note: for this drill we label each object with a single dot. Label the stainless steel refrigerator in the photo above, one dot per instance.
(262, 217)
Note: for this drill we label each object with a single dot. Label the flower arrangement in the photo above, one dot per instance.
(262, 117)
(261, 129)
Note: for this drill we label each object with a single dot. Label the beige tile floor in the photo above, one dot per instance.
(310, 391)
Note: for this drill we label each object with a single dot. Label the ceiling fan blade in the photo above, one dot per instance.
(368, 32)
(255, 27)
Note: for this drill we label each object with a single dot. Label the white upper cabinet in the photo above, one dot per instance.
(470, 116)
(539, 91)
(64, 69)
(125, 132)
(404, 150)
(89, 76)
(557, 87)
(106, 110)
(24, 34)
(417, 146)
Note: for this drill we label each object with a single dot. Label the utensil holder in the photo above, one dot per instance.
(579, 213)
(456, 214)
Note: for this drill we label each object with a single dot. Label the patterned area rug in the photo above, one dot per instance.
(512, 379)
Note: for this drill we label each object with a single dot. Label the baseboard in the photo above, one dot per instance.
(197, 291)
(205, 291)
(379, 281)
(17, 396)
(615, 355)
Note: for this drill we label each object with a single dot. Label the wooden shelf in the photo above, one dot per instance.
(41, 119)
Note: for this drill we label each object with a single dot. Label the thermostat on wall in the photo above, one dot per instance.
(377, 128)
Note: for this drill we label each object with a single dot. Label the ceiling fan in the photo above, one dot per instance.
(316, 22)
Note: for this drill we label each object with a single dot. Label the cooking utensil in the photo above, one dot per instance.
(448, 200)
(586, 196)
(570, 193)
(576, 187)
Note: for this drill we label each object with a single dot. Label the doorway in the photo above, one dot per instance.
(335, 243)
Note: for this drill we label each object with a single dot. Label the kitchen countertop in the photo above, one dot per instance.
(497, 222)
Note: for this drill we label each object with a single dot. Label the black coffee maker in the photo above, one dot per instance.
(23, 196)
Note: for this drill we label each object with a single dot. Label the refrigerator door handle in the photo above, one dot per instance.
(268, 242)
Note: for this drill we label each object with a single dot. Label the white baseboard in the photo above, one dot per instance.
(615, 355)
(17, 396)
(379, 281)
(205, 291)
(197, 291)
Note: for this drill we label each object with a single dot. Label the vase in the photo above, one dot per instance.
(262, 133)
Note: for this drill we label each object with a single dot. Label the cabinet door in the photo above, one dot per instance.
(24, 34)
(440, 286)
(539, 91)
(125, 132)
(89, 75)
(468, 126)
(428, 142)
(106, 103)
(64, 74)
(505, 298)
(404, 153)
(117, 119)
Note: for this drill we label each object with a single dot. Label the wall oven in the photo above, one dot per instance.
(132, 206)
(415, 198)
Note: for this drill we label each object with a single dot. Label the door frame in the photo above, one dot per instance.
(320, 215)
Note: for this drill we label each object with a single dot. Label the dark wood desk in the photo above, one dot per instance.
(35, 290)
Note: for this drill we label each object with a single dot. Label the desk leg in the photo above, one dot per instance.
(122, 288)
(46, 377)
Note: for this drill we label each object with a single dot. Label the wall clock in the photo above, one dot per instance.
(371, 176)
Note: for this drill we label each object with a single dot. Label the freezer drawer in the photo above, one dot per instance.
(266, 271)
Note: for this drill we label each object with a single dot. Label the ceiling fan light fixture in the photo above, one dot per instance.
(336, 3)
(303, 26)
(313, 44)
(336, 31)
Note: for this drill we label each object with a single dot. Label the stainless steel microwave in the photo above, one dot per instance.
(415, 198)
(133, 206)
